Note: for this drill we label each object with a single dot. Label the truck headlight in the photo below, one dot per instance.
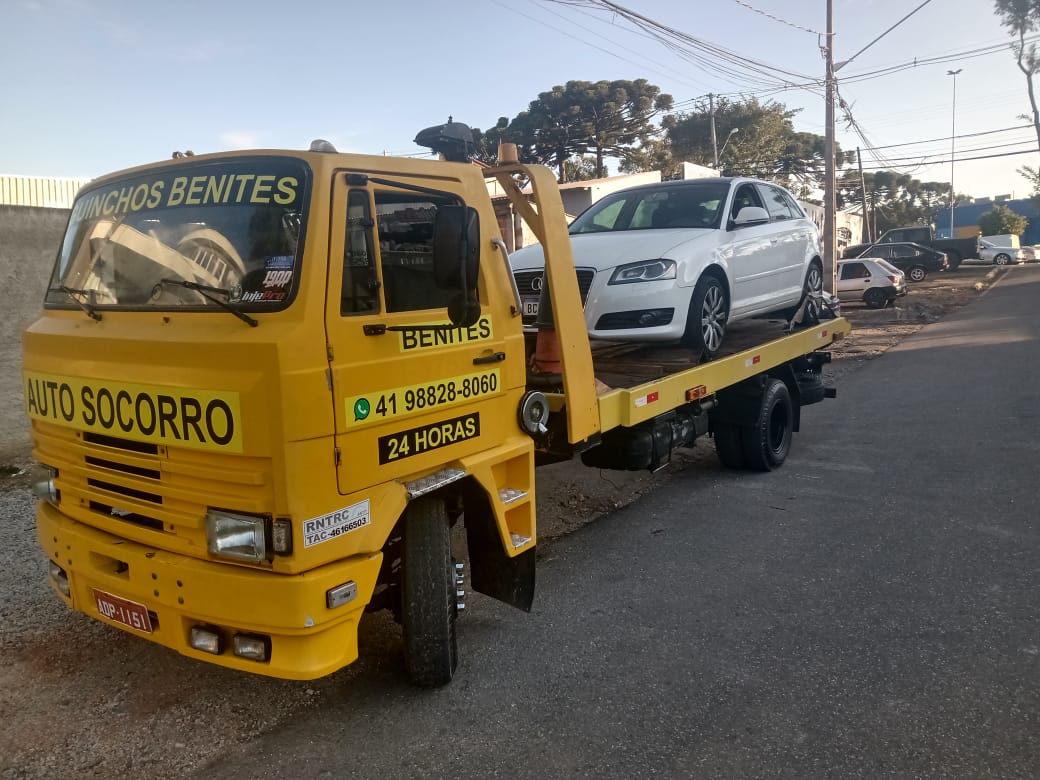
(645, 271)
(231, 535)
(43, 486)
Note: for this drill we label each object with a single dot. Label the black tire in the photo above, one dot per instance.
(1002, 259)
(767, 442)
(706, 320)
(729, 445)
(812, 290)
(875, 298)
(917, 273)
(953, 259)
(428, 597)
(811, 389)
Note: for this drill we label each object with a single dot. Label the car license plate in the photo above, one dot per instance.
(529, 307)
(129, 613)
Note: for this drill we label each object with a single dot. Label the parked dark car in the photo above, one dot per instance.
(956, 249)
(914, 260)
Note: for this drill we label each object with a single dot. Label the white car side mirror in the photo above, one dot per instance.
(750, 215)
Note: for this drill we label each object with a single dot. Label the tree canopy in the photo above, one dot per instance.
(1000, 220)
(754, 139)
(1021, 17)
(604, 118)
(893, 199)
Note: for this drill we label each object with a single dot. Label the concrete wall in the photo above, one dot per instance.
(29, 240)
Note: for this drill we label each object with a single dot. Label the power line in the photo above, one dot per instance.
(776, 18)
(843, 63)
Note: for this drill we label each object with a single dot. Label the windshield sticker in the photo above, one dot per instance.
(196, 419)
(416, 441)
(417, 399)
(342, 521)
(417, 338)
(279, 263)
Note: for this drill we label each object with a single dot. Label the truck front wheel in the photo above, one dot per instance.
(767, 442)
(428, 595)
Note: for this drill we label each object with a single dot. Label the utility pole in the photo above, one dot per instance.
(830, 268)
(714, 139)
(953, 143)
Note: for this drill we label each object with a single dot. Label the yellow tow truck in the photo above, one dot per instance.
(266, 385)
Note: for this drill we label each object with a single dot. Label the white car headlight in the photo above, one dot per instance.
(242, 537)
(644, 271)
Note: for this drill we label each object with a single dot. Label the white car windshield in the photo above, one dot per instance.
(686, 205)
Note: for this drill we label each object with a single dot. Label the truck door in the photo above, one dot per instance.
(410, 392)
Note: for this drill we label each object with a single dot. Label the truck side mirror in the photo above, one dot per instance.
(456, 260)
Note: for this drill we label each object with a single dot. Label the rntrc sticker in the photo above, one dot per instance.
(416, 441)
(343, 521)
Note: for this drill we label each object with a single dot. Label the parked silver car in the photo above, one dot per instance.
(871, 280)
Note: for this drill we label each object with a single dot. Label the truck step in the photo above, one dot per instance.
(510, 495)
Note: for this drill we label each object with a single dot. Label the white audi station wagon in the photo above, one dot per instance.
(679, 260)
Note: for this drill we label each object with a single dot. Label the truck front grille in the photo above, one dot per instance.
(143, 490)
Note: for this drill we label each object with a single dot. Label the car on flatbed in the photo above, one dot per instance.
(680, 260)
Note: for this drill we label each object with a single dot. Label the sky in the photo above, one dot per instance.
(94, 86)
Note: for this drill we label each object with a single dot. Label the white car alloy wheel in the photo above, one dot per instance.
(1002, 259)
(707, 318)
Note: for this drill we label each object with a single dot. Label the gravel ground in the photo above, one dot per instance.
(79, 699)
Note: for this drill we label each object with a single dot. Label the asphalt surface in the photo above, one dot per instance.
(871, 609)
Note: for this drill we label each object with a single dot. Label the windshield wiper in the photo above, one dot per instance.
(73, 293)
(204, 290)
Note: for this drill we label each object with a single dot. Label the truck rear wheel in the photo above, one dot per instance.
(428, 600)
(767, 442)
(729, 445)
(953, 259)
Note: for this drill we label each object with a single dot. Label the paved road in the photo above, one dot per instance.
(869, 610)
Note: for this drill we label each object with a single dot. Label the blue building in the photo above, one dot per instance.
(966, 218)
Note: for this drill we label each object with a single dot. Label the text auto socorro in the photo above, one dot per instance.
(196, 419)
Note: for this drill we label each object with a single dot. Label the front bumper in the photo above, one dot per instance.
(307, 639)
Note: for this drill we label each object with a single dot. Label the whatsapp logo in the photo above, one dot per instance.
(362, 408)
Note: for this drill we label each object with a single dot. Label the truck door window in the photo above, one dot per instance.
(405, 224)
(360, 282)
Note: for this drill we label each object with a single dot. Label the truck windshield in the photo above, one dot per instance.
(232, 227)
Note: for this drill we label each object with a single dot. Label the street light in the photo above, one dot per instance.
(953, 141)
(724, 145)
